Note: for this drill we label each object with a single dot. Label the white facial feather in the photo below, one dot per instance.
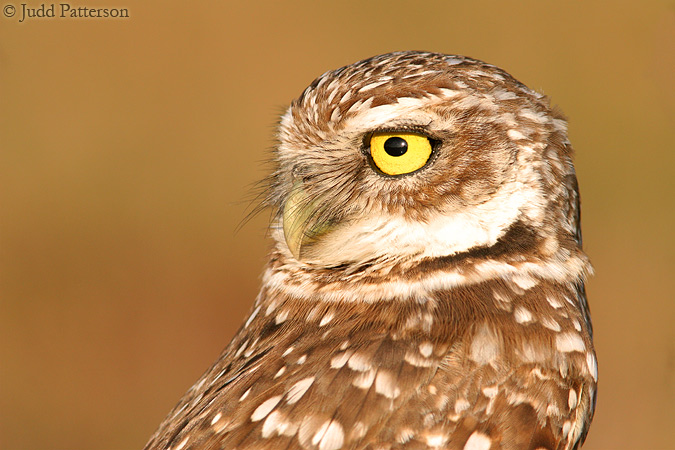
(444, 234)
(388, 115)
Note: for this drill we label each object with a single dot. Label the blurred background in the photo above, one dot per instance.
(128, 152)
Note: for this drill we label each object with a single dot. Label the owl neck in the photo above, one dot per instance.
(521, 257)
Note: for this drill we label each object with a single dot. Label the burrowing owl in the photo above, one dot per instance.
(426, 285)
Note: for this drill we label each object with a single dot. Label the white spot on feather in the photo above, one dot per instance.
(592, 365)
(531, 352)
(216, 418)
(550, 245)
(576, 324)
(522, 315)
(478, 441)
(270, 308)
(569, 342)
(271, 423)
(359, 361)
(220, 374)
(504, 95)
(251, 317)
(277, 423)
(416, 360)
(329, 436)
(372, 85)
(524, 281)
(340, 360)
(385, 384)
(426, 72)
(515, 135)
(533, 116)
(426, 348)
(346, 96)
(298, 390)
(281, 317)
(359, 430)
(468, 102)
(436, 440)
(500, 297)
(360, 105)
(572, 399)
(550, 323)
(326, 319)
(485, 345)
(449, 93)
(364, 380)
(182, 444)
(241, 349)
(553, 302)
(461, 405)
(251, 348)
(404, 435)
(335, 115)
(245, 394)
(490, 391)
(265, 408)
(219, 425)
(552, 410)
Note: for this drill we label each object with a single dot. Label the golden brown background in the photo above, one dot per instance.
(128, 148)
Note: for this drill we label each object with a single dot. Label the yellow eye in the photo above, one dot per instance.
(399, 153)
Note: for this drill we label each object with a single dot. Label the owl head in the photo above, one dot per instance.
(414, 155)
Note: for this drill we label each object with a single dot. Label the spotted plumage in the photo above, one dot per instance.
(438, 308)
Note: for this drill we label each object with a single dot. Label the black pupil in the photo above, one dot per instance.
(395, 146)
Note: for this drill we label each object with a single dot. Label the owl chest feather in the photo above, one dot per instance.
(437, 370)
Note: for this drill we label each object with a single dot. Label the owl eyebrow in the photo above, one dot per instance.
(414, 128)
(403, 128)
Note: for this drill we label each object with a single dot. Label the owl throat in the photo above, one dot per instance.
(522, 256)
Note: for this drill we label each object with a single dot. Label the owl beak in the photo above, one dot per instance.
(301, 224)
